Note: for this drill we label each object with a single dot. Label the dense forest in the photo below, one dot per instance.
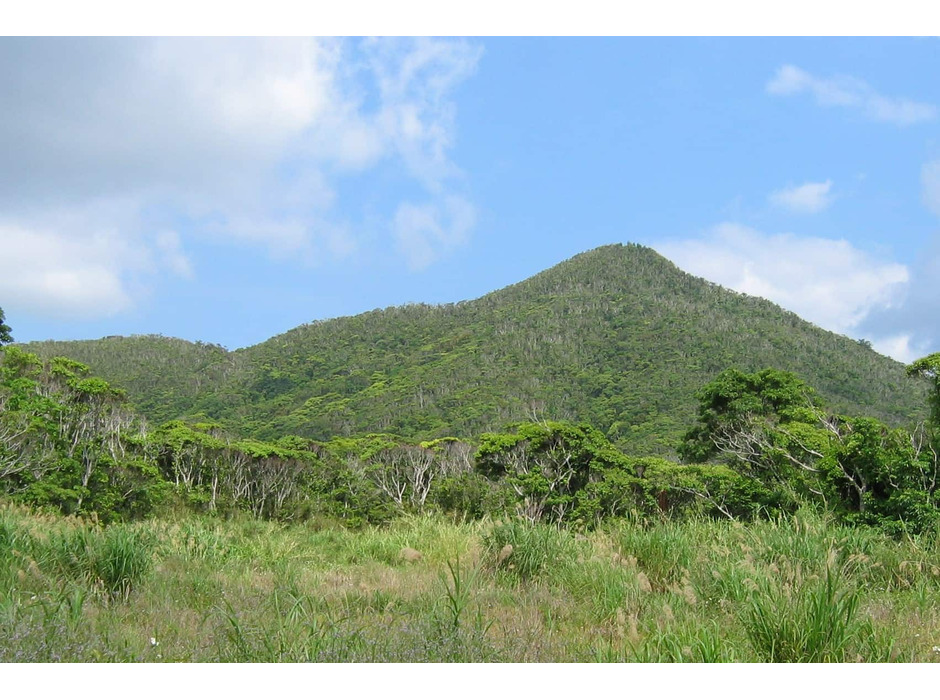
(763, 444)
(617, 337)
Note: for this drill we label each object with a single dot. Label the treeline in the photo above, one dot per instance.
(763, 444)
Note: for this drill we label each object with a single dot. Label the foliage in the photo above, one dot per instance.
(548, 466)
(928, 368)
(663, 553)
(713, 490)
(111, 560)
(352, 420)
(748, 416)
(5, 331)
(122, 558)
(882, 476)
(245, 590)
(164, 377)
(67, 440)
(380, 475)
(617, 337)
(471, 496)
(771, 428)
(815, 623)
(266, 479)
(527, 550)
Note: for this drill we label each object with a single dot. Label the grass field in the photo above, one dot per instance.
(195, 589)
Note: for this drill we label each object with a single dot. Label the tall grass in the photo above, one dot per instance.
(204, 589)
(691, 644)
(526, 550)
(664, 553)
(815, 622)
(113, 560)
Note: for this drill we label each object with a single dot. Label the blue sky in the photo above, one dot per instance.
(229, 190)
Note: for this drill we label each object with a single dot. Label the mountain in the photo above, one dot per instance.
(164, 377)
(617, 336)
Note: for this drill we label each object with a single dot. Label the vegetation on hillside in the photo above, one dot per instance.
(764, 445)
(163, 377)
(617, 337)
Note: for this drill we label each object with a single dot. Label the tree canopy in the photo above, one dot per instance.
(772, 428)
(5, 331)
(617, 337)
(928, 368)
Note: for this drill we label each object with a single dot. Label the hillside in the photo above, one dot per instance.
(164, 377)
(617, 336)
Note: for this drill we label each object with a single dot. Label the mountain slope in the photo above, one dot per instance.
(617, 336)
(163, 376)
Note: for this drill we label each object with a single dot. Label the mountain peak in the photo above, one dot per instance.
(617, 336)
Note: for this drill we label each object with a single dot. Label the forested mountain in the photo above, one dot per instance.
(163, 376)
(617, 337)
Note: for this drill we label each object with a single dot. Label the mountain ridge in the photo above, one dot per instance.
(617, 336)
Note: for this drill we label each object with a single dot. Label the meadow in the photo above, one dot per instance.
(196, 588)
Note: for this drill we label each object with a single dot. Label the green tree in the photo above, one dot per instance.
(548, 465)
(766, 425)
(770, 426)
(5, 330)
(880, 475)
(929, 368)
(68, 440)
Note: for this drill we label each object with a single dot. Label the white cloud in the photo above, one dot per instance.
(809, 198)
(47, 273)
(424, 232)
(910, 328)
(417, 116)
(901, 347)
(828, 282)
(930, 181)
(244, 140)
(846, 91)
(169, 245)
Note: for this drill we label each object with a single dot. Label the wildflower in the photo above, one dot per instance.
(154, 642)
(936, 650)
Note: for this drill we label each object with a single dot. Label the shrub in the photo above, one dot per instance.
(115, 558)
(471, 496)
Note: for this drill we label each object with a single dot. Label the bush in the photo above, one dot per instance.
(664, 552)
(12, 538)
(471, 496)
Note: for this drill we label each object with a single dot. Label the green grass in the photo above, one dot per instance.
(816, 622)
(198, 589)
(527, 551)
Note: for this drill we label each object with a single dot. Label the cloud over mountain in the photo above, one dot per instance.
(126, 140)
